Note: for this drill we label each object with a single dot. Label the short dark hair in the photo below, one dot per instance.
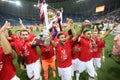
(9, 33)
(17, 31)
(24, 31)
(51, 29)
(85, 31)
(58, 36)
(69, 32)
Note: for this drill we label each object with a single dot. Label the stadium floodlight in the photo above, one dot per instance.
(11, 1)
(35, 5)
(79, 1)
(4, 0)
(18, 3)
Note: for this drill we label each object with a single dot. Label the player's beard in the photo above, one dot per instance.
(25, 39)
(62, 42)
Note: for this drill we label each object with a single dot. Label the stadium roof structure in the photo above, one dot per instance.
(27, 8)
(70, 6)
(49, 1)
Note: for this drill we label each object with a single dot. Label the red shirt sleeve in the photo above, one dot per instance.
(102, 44)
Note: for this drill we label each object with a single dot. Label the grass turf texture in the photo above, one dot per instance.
(110, 69)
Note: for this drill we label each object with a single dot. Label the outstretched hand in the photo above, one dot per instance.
(86, 23)
(69, 22)
(103, 59)
(20, 21)
(115, 24)
(5, 26)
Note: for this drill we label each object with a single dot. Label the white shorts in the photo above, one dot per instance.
(15, 78)
(88, 66)
(97, 62)
(74, 64)
(34, 69)
(65, 73)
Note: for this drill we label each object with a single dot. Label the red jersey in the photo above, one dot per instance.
(30, 53)
(46, 51)
(37, 28)
(31, 28)
(11, 41)
(31, 36)
(75, 54)
(64, 33)
(56, 39)
(85, 50)
(7, 69)
(97, 49)
(63, 54)
(18, 43)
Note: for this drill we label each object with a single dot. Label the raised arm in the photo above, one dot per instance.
(108, 32)
(21, 23)
(72, 27)
(5, 44)
(5, 26)
(51, 40)
(103, 54)
(84, 24)
(5, 30)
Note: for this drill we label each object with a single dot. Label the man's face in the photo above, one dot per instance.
(95, 34)
(101, 34)
(88, 34)
(25, 35)
(0, 43)
(18, 33)
(62, 39)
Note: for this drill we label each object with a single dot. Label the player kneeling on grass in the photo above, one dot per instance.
(7, 69)
(31, 57)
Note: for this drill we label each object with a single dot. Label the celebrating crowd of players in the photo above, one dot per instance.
(73, 52)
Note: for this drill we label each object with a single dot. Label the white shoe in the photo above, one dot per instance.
(91, 78)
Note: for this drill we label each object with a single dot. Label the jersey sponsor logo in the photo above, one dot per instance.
(64, 55)
(1, 65)
(26, 52)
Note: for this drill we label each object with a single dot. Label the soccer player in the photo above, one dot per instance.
(7, 69)
(63, 53)
(17, 42)
(85, 58)
(31, 57)
(31, 35)
(75, 54)
(98, 50)
(48, 60)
